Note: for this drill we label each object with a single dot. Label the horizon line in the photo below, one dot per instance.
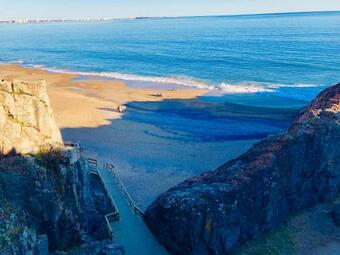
(245, 14)
(167, 17)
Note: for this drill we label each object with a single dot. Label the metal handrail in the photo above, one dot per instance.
(108, 227)
(138, 211)
(75, 145)
(111, 217)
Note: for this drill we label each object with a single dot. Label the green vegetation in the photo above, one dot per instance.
(279, 242)
(10, 227)
(51, 161)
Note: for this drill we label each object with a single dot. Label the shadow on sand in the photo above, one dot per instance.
(155, 145)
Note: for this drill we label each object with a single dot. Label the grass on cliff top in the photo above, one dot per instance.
(279, 242)
(52, 161)
(307, 231)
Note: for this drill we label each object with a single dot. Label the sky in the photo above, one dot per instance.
(47, 9)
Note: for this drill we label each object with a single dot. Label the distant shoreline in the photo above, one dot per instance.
(82, 20)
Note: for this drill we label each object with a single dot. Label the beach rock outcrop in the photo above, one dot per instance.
(26, 119)
(256, 192)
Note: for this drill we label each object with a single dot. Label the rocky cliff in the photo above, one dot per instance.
(256, 192)
(26, 119)
(48, 204)
(48, 199)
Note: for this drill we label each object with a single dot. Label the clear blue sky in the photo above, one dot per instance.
(15, 9)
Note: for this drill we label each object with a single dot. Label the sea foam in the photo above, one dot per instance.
(246, 87)
(224, 88)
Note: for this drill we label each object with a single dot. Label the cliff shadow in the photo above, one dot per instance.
(49, 201)
(156, 145)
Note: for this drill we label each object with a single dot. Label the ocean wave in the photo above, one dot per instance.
(155, 79)
(299, 85)
(243, 88)
(224, 88)
(17, 62)
(184, 81)
(236, 88)
(249, 87)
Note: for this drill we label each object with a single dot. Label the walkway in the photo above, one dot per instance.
(130, 230)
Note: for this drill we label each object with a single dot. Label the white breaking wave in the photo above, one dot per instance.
(256, 87)
(244, 88)
(162, 80)
(224, 88)
(132, 77)
(296, 86)
(18, 61)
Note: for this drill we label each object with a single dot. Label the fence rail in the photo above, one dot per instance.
(93, 165)
(139, 212)
(114, 216)
(111, 217)
(75, 145)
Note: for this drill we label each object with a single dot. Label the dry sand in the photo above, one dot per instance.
(149, 157)
(79, 103)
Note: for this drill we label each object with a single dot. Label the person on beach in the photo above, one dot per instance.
(121, 108)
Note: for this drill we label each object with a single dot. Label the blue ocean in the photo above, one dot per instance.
(292, 55)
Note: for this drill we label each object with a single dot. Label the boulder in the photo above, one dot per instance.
(255, 193)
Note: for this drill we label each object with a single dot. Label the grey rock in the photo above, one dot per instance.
(95, 248)
(336, 213)
(112, 249)
(41, 247)
(256, 192)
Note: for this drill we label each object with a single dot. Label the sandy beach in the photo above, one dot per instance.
(83, 103)
(160, 140)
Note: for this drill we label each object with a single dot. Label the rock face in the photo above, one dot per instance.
(53, 195)
(26, 118)
(255, 193)
(48, 198)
